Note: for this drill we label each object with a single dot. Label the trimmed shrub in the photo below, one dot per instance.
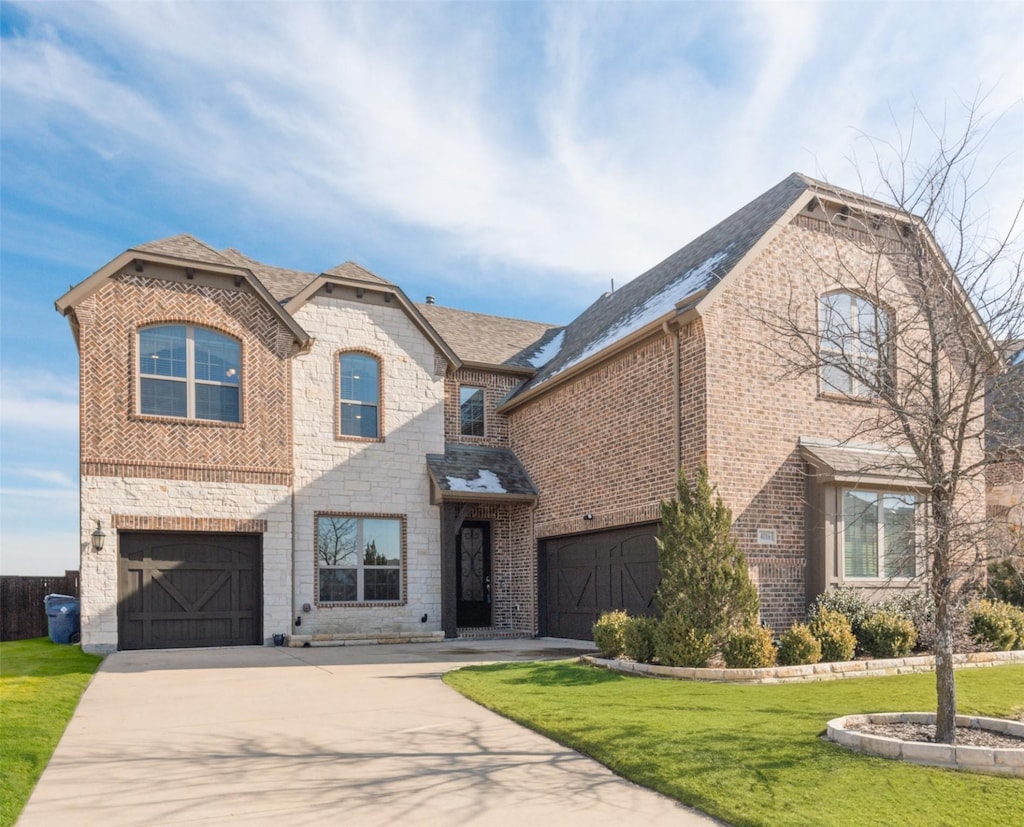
(749, 647)
(798, 646)
(704, 575)
(1006, 581)
(886, 634)
(609, 633)
(849, 602)
(997, 624)
(833, 632)
(639, 638)
(676, 643)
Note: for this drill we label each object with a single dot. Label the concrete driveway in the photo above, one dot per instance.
(356, 735)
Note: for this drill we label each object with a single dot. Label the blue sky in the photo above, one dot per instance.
(509, 158)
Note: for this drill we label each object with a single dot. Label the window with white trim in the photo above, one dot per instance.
(879, 534)
(189, 372)
(359, 395)
(853, 348)
(359, 558)
(471, 410)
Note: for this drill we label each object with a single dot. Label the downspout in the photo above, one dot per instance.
(677, 389)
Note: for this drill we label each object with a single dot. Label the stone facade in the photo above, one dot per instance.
(350, 476)
(132, 504)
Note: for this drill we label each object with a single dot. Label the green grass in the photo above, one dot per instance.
(40, 684)
(753, 755)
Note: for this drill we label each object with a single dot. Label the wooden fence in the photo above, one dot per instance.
(22, 613)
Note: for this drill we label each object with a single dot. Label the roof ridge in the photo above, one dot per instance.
(182, 245)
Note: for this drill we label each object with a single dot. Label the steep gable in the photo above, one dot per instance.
(689, 273)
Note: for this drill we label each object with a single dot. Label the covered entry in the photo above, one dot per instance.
(187, 590)
(583, 575)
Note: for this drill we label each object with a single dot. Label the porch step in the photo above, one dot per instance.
(490, 633)
(297, 641)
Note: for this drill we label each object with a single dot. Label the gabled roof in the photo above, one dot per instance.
(188, 253)
(472, 473)
(684, 277)
(184, 246)
(355, 272)
(490, 341)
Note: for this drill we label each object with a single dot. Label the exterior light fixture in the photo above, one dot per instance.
(98, 538)
(588, 516)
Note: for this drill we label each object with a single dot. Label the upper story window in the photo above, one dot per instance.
(878, 537)
(359, 395)
(359, 559)
(854, 348)
(471, 410)
(189, 372)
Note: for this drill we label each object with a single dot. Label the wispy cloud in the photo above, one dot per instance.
(38, 402)
(333, 113)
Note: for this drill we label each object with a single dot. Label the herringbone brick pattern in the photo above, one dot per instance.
(117, 441)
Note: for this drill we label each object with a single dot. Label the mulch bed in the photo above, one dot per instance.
(965, 736)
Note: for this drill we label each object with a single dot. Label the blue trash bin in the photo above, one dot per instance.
(63, 618)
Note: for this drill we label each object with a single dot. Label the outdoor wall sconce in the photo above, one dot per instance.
(588, 516)
(98, 537)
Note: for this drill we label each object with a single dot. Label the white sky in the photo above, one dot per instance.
(507, 158)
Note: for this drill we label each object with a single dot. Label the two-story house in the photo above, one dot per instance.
(271, 452)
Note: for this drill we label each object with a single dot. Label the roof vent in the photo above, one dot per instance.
(430, 299)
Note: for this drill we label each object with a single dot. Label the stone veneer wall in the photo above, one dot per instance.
(125, 503)
(357, 476)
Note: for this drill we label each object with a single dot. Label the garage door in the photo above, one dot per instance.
(186, 590)
(587, 574)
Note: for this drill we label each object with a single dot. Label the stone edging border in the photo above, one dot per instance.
(995, 760)
(807, 672)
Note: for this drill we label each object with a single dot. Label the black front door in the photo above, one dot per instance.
(473, 574)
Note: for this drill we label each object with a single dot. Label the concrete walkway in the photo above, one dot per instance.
(358, 736)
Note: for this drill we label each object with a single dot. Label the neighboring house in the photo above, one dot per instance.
(1004, 438)
(276, 452)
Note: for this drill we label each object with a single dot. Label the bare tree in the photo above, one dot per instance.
(920, 307)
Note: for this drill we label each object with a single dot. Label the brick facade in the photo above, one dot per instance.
(118, 441)
(603, 446)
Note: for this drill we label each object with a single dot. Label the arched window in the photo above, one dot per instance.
(189, 372)
(853, 350)
(359, 395)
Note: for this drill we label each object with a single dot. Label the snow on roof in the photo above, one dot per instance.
(653, 308)
(486, 482)
(548, 352)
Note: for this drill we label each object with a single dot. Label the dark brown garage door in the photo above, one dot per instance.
(586, 574)
(186, 590)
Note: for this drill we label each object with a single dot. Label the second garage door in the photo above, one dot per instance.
(586, 574)
(188, 590)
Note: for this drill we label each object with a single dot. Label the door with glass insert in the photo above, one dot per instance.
(473, 574)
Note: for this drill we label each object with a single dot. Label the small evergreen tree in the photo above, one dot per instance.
(705, 585)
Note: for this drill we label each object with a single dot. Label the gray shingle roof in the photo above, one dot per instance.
(468, 472)
(280, 281)
(488, 340)
(351, 270)
(184, 246)
(701, 264)
(859, 463)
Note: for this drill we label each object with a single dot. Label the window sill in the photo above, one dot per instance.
(184, 420)
(363, 439)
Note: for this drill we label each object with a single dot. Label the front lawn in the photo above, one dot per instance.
(753, 755)
(40, 684)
